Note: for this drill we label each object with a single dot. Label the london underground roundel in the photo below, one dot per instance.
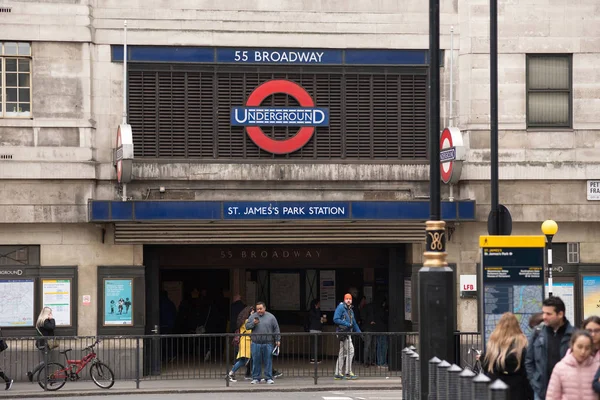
(306, 117)
(452, 154)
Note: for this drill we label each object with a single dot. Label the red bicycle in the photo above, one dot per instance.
(57, 374)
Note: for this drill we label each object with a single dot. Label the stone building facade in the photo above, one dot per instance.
(57, 141)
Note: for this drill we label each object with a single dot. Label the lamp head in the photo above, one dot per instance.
(549, 227)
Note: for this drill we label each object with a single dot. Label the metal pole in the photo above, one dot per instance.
(125, 72)
(436, 291)
(450, 111)
(137, 363)
(494, 113)
(316, 355)
(549, 238)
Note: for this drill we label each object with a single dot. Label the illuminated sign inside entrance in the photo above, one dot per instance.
(253, 116)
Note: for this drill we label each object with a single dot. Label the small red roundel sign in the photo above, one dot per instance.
(306, 116)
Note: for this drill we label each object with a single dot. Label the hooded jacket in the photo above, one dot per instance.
(573, 381)
(344, 316)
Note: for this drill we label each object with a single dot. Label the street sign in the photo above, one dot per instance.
(593, 190)
(511, 278)
(452, 154)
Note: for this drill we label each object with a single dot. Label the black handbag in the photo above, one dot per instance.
(342, 332)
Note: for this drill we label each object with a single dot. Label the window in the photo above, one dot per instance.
(573, 253)
(19, 255)
(549, 91)
(15, 79)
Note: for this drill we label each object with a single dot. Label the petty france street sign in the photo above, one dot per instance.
(452, 154)
(253, 116)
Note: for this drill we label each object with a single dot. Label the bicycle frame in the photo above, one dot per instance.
(81, 364)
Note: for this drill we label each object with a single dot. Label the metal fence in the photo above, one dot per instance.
(447, 381)
(210, 356)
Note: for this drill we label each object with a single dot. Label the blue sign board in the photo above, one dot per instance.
(286, 210)
(278, 56)
(279, 116)
(512, 281)
(118, 301)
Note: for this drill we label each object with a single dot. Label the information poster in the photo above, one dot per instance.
(591, 296)
(408, 300)
(566, 291)
(118, 308)
(17, 299)
(285, 291)
(56, 294)
(327, 290)
(513, 279)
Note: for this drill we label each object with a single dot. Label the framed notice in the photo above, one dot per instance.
(285, 291)
(566, 291)
(17, 299)
(327, 290)
(56, 294)
(408, 299)
(591, 295)
(118, 302)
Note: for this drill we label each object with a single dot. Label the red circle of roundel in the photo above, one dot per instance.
(256, 133)
(446, 168)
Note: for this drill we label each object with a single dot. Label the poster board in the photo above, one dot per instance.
(408, 299)
(327, 290)
(17, 299)
(56, 294)
(118, 302)
(285, 291)
(512, 279)
(591, 295)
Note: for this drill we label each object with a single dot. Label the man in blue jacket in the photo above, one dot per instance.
(346, 323)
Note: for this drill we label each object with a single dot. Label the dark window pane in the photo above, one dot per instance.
(25, 107)
(11, 65)
(11, 94)
(11, 79)
(23, 65)
(24, 80)
(24, 95)
(549, 109)
(10, 49)
(11, 107)
(24, 49)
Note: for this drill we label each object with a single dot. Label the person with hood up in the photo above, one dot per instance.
(346, 323)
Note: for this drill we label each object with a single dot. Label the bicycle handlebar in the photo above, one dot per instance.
(91, 346)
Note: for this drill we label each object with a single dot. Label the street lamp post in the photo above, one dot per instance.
(549, 228)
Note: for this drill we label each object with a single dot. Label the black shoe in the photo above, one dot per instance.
(30, 376)
(9, 384)
(231, 378)
(277, 374)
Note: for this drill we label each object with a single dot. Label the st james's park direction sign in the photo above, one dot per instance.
(253, 116)
(512, 279)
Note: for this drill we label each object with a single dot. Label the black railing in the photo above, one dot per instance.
(211, 356)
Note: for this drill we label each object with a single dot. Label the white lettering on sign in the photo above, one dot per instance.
(283, 57)
(593, 190)
(468, 283)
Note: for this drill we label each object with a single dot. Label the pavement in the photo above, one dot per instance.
(23, 390)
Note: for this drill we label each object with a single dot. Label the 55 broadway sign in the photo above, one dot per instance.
(253, 116)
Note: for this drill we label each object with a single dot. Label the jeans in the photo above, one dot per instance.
(369, 357)
(382, 348)
(261, 353)
(345, 357)
(239, 364)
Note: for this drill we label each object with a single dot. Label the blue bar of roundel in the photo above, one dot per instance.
(280, 210)
(99, 210)
(238, 110)
(121, 211)
(386, 57)
(177, 210)
(294, 56)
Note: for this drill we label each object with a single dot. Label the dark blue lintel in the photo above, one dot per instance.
(271, 56)
(140, 211)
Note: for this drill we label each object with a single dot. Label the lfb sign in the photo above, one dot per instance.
(452, 154)
(306, 117)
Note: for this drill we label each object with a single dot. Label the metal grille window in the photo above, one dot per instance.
(184, 112)
(549, 91)
(573, 253)
(15, 79)
(19, 255)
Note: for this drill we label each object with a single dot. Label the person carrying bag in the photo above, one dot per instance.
(45, 326)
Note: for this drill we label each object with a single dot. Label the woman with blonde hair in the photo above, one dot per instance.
(45, 326)
(504, 358)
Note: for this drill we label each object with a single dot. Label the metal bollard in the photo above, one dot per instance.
(404, 373)
(453, 381)
(433, 364)
(409, 373)
(499, 390)
(414, 360)
(466, 384)
(480, 387)
(442, 380)
(418, 378)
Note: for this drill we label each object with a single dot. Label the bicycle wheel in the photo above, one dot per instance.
(102, 375)
(55, 376)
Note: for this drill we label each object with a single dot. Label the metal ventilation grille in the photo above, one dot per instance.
(183, 112)
(5, 9)
(259, 233)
